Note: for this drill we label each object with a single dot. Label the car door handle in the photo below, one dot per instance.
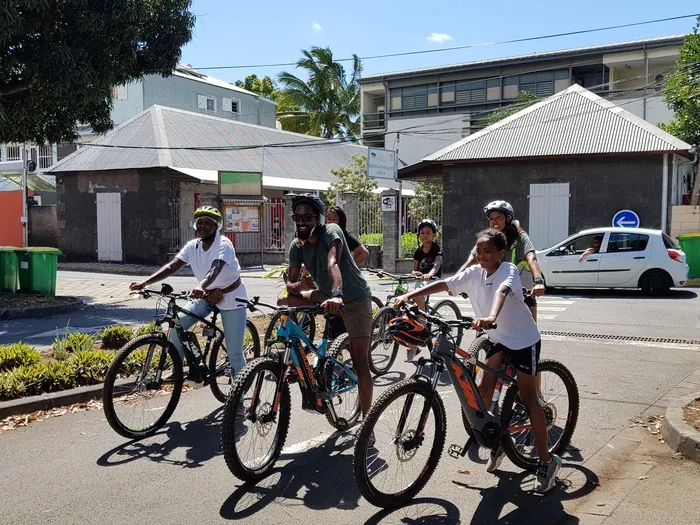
(639, 257)
(591, 260)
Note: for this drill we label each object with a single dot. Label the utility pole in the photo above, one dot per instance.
(25, 211)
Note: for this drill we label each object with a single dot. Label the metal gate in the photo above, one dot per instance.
(109, 226)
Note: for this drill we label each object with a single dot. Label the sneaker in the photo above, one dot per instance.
(411, 353)
(547, 474)
(495, 460)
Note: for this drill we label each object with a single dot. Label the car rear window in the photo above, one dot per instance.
(668, 242)
(627, 242)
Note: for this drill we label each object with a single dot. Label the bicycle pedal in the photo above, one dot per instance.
(456, 452)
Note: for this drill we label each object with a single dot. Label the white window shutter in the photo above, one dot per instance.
(122, 92)
(226, 104)
(201, 102)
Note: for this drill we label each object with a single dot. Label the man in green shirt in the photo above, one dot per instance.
(340, 286)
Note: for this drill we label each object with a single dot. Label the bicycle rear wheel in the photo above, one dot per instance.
(147, 373)
(382, 347)
(219, 365)
(560, 404)
(449, 311)
(344, 394)
(377, 305)
(392, 424)
(252, 437)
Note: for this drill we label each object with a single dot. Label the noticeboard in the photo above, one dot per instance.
(241, 219)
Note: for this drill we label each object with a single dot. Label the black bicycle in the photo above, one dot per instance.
(383, 349)
(148, 371)
(400, 442)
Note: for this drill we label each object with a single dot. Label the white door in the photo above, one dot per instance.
(624, 258)
(564, 267)
(109, 226)
(549, 214)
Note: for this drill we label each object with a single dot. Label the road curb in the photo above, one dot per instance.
(135, 271)
(679, 435)
(27, 405)
(41, 311)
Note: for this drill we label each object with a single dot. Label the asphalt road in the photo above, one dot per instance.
(75, 469)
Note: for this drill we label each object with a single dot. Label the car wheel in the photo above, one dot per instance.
(655, 282)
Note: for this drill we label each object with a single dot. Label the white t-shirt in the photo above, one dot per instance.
(516, 329)
(193, 254)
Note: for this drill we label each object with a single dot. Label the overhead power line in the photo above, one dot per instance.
(468, 46)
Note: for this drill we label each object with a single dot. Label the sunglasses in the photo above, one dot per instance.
(306, 217)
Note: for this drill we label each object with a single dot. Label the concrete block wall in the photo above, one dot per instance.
(390, 243)
(685, 219)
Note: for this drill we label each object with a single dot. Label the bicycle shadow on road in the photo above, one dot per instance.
(199, 439)
(390, 378)
(421, 511)
(324, 472)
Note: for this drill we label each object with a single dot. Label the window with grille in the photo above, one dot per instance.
(231, 105)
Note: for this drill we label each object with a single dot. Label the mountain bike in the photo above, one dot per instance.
(259, 407)
(149, 369)
(399, 427)
(383, 349)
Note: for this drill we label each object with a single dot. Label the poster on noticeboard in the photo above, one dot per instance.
(242, 219)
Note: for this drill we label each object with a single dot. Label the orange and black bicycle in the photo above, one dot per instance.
(402, 438)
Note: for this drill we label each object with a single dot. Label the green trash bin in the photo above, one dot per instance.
(37, 270)
(9, 270)
(690, 244)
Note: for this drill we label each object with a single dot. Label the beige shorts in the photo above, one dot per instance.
(358, 318)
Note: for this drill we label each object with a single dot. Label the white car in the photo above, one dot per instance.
(627, 258)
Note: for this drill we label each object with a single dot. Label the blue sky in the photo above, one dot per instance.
(229, 33)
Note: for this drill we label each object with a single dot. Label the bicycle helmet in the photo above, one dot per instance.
(502, 206)
(427, 222)
(407, 332)
(210, 212)
(309, 198)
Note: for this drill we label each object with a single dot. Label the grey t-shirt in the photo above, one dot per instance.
(315, 258)
(516, 255)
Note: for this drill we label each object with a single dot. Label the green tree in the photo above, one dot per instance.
(353, 179)
(265, 86)
(329, 102)
(427, 201)
(522, 100)
(60, 60)
(682, 91)
(289, 114)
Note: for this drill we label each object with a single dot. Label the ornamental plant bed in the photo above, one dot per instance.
(8, 301)
(691, 413)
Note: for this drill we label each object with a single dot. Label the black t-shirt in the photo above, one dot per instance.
(353, 242)
(427, 260)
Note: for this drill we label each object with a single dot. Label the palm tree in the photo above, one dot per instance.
(329, 103)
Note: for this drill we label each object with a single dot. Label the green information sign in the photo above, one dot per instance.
(240, 183)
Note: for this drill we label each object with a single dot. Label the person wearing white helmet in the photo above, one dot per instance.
(520, 251)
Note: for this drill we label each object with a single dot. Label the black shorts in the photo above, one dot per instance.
(530, 301)
(524, 360)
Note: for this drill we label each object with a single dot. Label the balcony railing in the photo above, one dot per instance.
(373, 121)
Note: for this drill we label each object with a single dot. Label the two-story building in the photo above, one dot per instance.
(421, 111)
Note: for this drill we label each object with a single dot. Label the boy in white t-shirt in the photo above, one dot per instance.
(495, 291)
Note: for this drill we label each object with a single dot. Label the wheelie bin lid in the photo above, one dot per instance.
(40, 249)
(689, 236)
(8, 248)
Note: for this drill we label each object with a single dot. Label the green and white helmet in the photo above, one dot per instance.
(210, 213)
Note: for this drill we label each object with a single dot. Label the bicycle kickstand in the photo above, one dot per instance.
(456, 452)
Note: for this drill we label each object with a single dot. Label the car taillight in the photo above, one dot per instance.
(675, 255)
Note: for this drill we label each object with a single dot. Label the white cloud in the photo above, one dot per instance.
(439, 37)
(317, 27)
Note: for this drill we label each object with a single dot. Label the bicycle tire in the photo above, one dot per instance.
(377, 302)
(458, 315)
(480, 343)
(306, 320)
(113, 375)
(404, 496)
(383, 315)
(528, 463)
(251, 351)
(228, 424)
(337, 347)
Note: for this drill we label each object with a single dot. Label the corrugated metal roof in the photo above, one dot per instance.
(573, 122)
(546, 55)
(161, 126)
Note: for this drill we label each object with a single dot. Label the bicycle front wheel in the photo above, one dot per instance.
(252, 433)
(393, 459)
(559, 399)
(143, 386)
(382, 347)
(343, 392)
(220, 366)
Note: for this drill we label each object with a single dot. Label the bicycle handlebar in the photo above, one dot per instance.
(465, 322)
(165, 291)
(253, 306)
(404, 277)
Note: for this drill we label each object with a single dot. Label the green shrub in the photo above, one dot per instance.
(372, 239)
(23, 381)
(114, 337)
(17, 354)
(144, 329)
(409, 243)
(80, 342)
(59, 349)
(90, 367)
(60, 375)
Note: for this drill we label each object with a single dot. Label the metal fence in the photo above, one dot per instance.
(370, 217)
(431, 210)
(270, 238)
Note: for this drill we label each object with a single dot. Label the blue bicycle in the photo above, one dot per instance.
(257, 412)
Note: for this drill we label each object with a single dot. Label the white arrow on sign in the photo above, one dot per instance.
(622, 223)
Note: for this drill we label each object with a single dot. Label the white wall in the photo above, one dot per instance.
(436, 132)
(657, 110)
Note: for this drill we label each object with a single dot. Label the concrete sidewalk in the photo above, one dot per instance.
(642, 481)
(138, 269)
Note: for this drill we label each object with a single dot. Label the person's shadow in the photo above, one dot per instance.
(199, 437)
(323, 473)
